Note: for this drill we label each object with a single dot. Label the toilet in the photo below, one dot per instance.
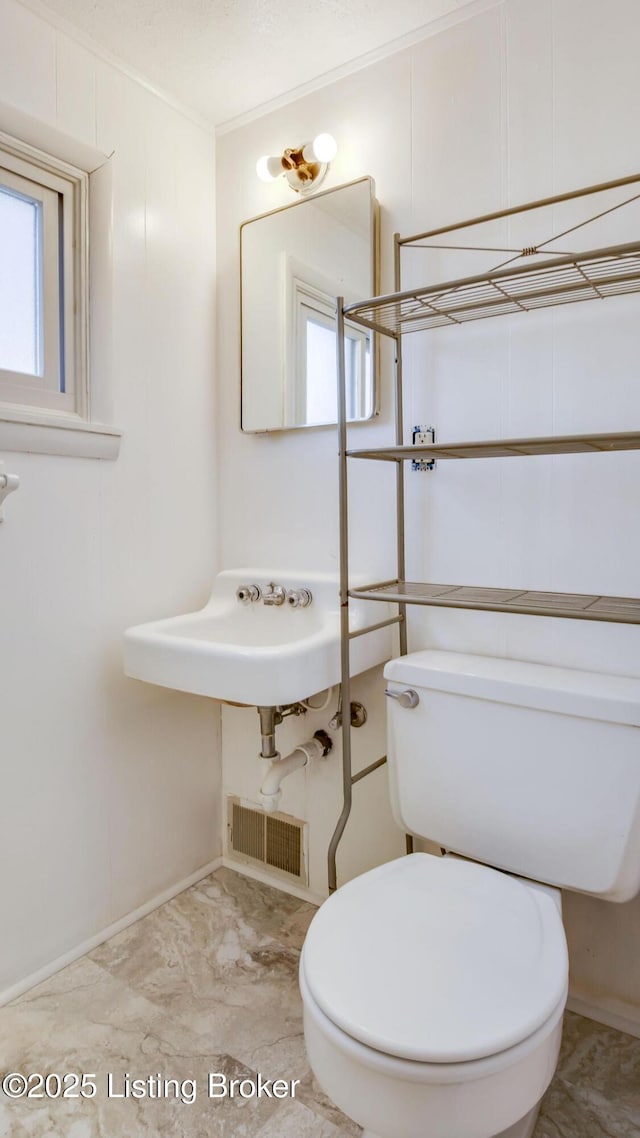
(433, 987)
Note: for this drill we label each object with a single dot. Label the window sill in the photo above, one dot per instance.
(41, 432)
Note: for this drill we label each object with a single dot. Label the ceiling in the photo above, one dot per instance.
(224, 58)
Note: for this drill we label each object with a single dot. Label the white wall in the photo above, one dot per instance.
(496, 110)
(110, 787)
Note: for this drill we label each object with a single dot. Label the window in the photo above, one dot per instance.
(43, 310)
(315, 392)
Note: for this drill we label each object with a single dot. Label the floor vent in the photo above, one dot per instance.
(273, 840)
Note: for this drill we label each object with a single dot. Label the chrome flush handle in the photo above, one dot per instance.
(407, 698)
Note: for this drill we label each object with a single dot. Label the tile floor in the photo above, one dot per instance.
(208, 983)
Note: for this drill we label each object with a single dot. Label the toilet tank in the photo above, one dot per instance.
(525, 767)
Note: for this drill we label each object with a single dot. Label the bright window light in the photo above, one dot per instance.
(20, 283)
(43, 296)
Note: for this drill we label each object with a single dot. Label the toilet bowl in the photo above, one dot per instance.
(433, 991)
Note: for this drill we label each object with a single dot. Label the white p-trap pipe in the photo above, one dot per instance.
(270, 791)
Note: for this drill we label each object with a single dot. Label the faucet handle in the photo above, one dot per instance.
(248, 593)
(299, 598)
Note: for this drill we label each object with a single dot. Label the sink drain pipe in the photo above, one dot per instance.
(304, 753)
(269, 719)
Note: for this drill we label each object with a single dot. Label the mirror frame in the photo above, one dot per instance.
(375, 277)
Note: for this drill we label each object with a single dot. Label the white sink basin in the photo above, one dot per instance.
(255, 653)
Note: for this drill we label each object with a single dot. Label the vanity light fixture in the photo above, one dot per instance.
(303, 166)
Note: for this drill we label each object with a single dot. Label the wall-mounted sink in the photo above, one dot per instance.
(254, 653)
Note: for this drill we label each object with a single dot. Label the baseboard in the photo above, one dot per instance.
(275, 882)
(622, 1017)
(86, 946)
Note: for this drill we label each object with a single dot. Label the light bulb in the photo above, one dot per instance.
(268, 168)
(325, 147)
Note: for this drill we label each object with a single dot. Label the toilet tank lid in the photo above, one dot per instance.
(567, 691)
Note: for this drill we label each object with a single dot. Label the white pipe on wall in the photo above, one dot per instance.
(270, 791)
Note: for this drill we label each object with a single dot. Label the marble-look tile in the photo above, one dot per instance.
(208, 983)
(295, 1121)
(294, 927)
(568, 1112)
(146, 1119)
(10, 1127)
(82, 1006)
(224, 928)
(602, 1061)
(84, 1019)
(214, 960)
(314, 1097)
(269, 911)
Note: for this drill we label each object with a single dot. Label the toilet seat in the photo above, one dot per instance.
(399, 1098)
(437, 960)
(440, 1074)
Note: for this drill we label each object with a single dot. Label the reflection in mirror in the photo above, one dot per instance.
(294, 263)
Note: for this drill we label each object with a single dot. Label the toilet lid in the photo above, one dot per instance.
(437, 959)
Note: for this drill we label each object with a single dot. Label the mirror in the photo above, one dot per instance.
(294, 262)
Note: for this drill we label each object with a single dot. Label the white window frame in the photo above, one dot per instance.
(308, 298)
(90, 431)
(63, 191)
(313, 305)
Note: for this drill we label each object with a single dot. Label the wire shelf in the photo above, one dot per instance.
(507, 448)
(576, 606)
(597, 274)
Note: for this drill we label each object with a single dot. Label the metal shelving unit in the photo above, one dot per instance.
(572, 606)
(564, 280)
(506, 448)
(596, 274)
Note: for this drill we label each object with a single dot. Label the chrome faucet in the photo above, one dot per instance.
(274, 594)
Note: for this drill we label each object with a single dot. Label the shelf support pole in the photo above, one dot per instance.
(400, 526)
(399, 415)
(343, 492)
